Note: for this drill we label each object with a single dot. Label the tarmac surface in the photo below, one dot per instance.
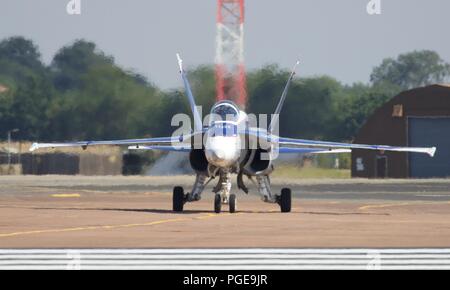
(135, 212)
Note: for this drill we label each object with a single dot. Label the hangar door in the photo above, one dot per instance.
(428, 132)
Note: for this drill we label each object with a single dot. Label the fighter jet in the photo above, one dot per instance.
(229, 144)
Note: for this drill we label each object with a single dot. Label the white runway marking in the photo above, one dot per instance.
(224, 259)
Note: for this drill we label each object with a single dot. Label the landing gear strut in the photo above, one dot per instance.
(223, 195)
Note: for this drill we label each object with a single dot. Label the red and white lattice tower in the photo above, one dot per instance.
(230, 69)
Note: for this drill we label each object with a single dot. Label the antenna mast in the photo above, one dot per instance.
(230, 69)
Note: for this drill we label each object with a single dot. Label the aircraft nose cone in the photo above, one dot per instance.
(220, 158)
(221, 151)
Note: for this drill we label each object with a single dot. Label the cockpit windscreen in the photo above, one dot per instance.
(225, 112)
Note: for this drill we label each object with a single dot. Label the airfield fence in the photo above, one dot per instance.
(16, 159)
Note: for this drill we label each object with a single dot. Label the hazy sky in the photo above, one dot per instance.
(331, 37)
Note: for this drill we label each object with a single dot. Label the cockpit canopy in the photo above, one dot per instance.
(225, 111)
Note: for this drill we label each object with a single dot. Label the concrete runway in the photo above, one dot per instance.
(135, 212)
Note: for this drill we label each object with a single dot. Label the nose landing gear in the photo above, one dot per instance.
(217, 203)
(223, 195)
(231, 201)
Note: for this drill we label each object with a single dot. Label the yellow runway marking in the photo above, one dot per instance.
(210, 215)
(107, 227)
(66, 195)
(372, 206)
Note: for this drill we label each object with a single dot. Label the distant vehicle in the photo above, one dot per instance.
(230, 145)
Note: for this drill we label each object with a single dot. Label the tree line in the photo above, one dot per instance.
(83, 94)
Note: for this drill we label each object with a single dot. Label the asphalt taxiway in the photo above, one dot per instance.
(135, 212)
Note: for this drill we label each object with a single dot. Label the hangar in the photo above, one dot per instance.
(417, 118)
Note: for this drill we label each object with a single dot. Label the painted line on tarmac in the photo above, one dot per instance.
(432, 195)
(90, 228)
(109, 227)
(375, 206)
(63, 195)
(385, 205)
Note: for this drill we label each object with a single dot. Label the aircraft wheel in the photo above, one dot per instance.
(285, 200)
(217, 203)
(232, 203)
(178, 198)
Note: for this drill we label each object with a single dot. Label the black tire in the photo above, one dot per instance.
(217, 203)
(285, 200)
(178, 199)
(232, 203)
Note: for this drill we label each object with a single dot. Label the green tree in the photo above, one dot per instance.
(411, 70)
(22, 52)
(25, 103)
(111, 104)
(73, 61)
(359, 103)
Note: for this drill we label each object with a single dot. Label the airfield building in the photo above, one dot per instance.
(415, 118)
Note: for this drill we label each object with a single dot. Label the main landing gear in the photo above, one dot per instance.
(223, 195)
(179, 198)
(284, 200)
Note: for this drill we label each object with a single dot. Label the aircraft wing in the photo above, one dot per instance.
(163, 143)
(287, 150)
(335, 145)
(289, 144)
